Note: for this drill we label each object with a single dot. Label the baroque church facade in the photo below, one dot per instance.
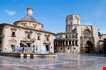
(26, 35)
(77, 38)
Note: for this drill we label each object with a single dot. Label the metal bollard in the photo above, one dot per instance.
(31, 56)
(28, 56)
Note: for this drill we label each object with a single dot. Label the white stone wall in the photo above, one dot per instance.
(6, 45)
(79, 35)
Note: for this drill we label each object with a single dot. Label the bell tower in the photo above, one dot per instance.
(72, 20)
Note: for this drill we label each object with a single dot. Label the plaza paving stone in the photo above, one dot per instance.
(60, 62)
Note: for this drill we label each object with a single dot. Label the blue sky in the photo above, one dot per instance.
(52, 13)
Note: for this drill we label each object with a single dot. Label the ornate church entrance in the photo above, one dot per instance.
(89, 47)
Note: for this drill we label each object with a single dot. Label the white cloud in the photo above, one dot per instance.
(10, 12)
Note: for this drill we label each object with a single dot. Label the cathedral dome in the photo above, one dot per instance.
(28, 18)
(29, 21)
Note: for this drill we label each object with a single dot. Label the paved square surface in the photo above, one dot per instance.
(59, 62)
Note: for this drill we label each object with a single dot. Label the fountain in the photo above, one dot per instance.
(42, 50)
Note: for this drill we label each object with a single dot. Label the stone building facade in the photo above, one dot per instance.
(26, 35)
(78, 38)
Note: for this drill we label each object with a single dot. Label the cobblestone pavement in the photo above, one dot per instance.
(59, 62)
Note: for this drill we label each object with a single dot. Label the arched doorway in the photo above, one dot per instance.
(89, 48)
(47, 48)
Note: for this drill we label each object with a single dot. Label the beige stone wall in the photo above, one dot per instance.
(21, 35)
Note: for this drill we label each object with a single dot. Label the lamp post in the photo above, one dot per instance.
(99, 35)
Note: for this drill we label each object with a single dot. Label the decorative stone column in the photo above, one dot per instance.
(68, 43)
(64, 43)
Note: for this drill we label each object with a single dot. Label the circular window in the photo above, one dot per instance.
(86, 33)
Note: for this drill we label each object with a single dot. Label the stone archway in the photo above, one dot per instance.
(89, 48)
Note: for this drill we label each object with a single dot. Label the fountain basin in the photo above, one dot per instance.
(25, 55)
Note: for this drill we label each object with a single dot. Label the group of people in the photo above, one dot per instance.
(23, 48)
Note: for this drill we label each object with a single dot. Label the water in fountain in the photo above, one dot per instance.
(42, 50)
